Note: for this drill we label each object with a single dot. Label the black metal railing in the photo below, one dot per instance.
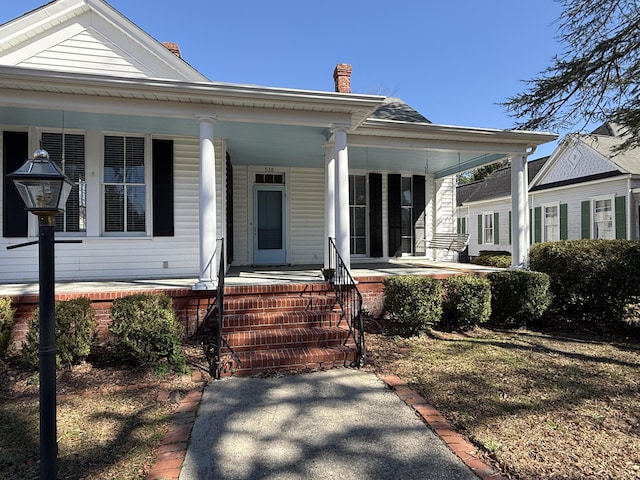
(350, 300)
(214, 317)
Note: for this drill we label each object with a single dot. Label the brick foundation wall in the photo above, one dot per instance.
(190, 306)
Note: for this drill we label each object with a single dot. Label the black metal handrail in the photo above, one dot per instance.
(350, 300)
(220, 312)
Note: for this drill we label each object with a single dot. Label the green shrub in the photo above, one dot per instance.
(414, 303)
(6, 324)
(75, 331)
(591, 280)
(500, 261)
(519, 297)
(467, 302)
(146, 330)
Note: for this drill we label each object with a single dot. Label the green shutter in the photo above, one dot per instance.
(538, 225)
(621, 218)
(510, 229)
(564, 226)
(496, 228)
(459, 225)
(585, 213)
(464, 224)
(530, 226)
(479, 229)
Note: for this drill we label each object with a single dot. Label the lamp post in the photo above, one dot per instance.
(44, 189)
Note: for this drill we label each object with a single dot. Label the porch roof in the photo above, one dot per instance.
(261, 125)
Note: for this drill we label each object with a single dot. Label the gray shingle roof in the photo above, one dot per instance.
(496, 185)
(395, 109)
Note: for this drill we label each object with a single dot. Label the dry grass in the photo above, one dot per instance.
(104, 431)
(540, 406)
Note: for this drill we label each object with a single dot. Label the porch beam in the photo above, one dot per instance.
(208, 276)
(342, 193)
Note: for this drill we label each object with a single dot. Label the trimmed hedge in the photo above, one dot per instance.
(414, 303)
(519, 297)
(499, 261)
(75, 331)
(467, 302)
(146, 331)
(591, 280)
(6, 324)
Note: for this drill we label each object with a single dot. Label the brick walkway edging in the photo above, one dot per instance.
(456, 442)
(173, 448)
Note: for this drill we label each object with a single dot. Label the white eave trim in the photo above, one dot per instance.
(395, 128)
(213, 93)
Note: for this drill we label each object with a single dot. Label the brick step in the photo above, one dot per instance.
(319, 288)
(271, 320)
(281, 338)
(257, 362)
(284, 303)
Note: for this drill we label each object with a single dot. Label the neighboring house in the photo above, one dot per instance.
(167, 163)
(583, 190)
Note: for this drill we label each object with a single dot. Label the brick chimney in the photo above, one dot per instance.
(342, 77)
(173, 48)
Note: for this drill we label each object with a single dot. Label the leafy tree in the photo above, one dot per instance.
(480, 173)
(595, 79)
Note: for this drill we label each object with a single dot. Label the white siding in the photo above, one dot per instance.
(125, 257)
(306, 203)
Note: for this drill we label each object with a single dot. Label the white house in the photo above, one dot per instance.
(167, 163)
(583, 190)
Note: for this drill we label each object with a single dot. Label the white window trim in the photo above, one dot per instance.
(544, 213)
(593, 213)
(147, 183)
(484, 228)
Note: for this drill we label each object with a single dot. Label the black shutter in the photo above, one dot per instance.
(229, 239)
(162, 188)
(395, 217)
(375, 215)
(15, 150)
(419, 203)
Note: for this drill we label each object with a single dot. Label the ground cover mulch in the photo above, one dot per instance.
(110, 417)
(538, 405)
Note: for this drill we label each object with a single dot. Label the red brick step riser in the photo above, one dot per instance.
(278, 304)
(287, 338)
(253, 363)
(275, 320)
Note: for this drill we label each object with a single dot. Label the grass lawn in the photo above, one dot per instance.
(540, 406)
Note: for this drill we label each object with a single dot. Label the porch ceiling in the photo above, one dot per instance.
(269, 144)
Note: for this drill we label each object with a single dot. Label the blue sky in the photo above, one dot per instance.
(452, 61)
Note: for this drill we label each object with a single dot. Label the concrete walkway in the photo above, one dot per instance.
(339, 423)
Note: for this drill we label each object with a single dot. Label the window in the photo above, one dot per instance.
(488, 228)
(406, 213)
(462, 224)
(358, 214)
(603, 225)
(124, 185)
(551, 223)
(67, 152)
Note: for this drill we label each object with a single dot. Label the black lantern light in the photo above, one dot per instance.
(43, 187)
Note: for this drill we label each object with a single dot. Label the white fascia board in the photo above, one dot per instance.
(19, 85)
(518, 138)
(479, 203)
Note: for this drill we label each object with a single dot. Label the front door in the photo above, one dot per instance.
(269, 225)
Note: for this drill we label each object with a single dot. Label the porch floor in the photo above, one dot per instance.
(247, 275)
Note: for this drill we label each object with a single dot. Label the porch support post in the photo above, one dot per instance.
(208, 276)
(342, 193)
(329, 198)
(520, 211)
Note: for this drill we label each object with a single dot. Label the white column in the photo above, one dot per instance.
(519, 211)
(329, 198)
(209, 257)
(342, 194)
